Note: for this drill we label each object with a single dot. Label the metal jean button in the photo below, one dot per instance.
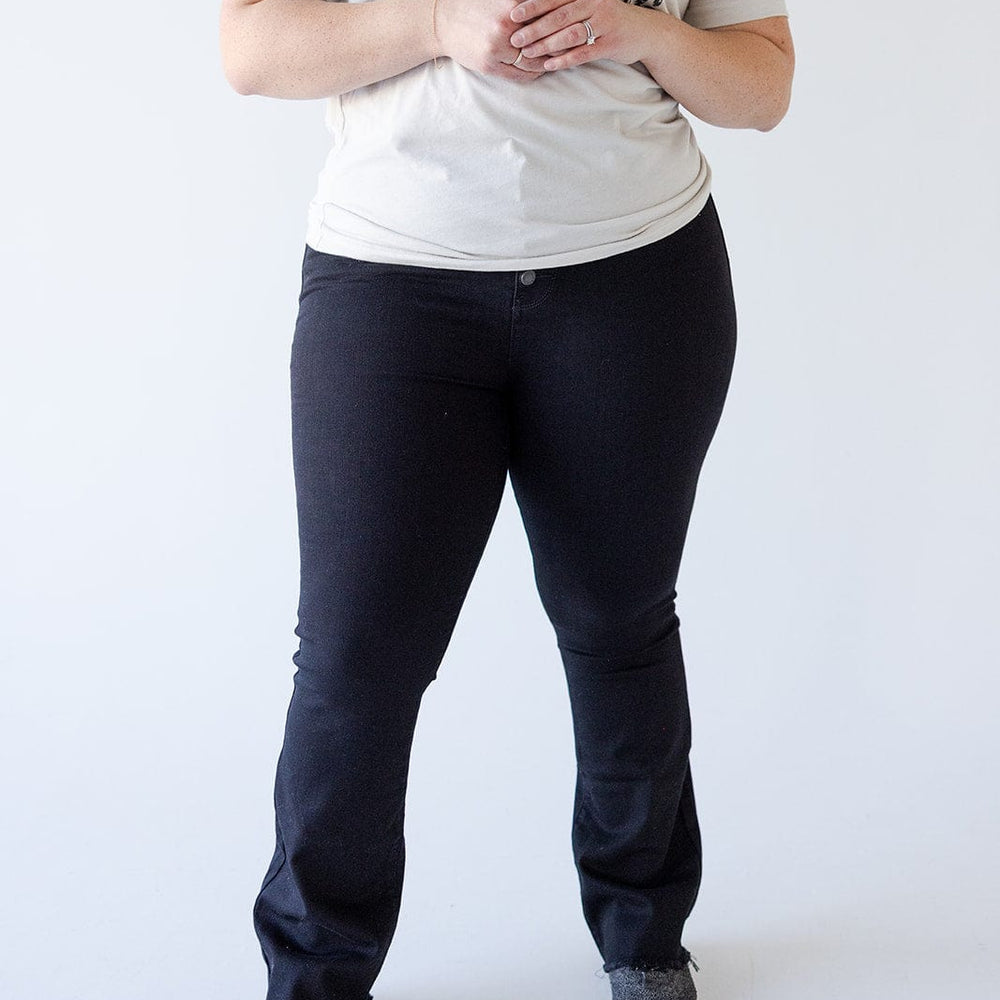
(527, 277)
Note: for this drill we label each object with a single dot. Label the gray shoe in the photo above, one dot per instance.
(653, 984)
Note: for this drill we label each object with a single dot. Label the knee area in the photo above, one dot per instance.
(615, 636)
(360, 669)
(610, 617)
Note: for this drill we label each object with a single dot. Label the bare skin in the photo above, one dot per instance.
(736, 76)
(310, 48)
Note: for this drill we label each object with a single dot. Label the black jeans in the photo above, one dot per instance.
(414, 392)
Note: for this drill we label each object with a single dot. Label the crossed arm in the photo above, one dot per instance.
(737, 76)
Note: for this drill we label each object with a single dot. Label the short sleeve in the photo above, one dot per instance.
(715, 13)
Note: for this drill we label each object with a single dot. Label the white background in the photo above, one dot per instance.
(838, 592)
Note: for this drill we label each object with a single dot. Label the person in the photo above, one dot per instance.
(513, 266)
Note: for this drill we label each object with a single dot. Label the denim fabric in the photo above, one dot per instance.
(415, 392)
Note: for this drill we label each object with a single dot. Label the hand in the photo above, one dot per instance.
(557, 37)
(476, 35)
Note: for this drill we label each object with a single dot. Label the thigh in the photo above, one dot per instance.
(623, 369)
(399, 437)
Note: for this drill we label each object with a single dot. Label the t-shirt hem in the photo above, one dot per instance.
(325, 240)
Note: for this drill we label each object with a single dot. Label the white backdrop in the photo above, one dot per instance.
(838, 593)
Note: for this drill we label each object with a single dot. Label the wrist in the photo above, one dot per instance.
(654, 32)
(424, 18)
(435, 41)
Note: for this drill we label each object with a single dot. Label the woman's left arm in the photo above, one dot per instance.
(733, 76)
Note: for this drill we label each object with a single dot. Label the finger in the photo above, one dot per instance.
(516, 74)
(530, 9)
(567, 38)
(529, 77)
(572, 57)
(562, 17)
(527, 65)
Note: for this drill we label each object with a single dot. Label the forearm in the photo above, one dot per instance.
(726, 77)
(308, 49)
(733, 76)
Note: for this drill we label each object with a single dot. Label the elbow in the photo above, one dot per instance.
(773, 120)
(236, 47)
(243, 77)
(240, 81)
(779, 91)
(775, 111)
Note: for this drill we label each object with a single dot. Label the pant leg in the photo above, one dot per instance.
(620, 371)
(399, 439)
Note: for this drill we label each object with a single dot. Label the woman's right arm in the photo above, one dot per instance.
(306, 49)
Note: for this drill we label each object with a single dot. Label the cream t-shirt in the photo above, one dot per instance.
(444, 167)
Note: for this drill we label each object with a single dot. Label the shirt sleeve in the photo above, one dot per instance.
(714, 13)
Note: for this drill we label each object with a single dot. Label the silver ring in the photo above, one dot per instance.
(591, 37)
(520, 56)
